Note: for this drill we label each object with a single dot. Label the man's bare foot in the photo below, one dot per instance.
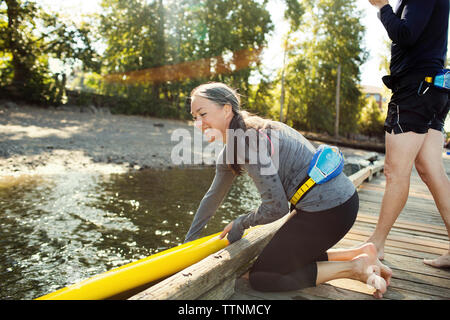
(380, 251)
(379, 246)
(366, 270)
(441, 262)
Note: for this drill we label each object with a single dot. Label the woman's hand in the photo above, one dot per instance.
(234, 231)
(226, 230)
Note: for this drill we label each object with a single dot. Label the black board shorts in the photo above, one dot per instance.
(410, 111)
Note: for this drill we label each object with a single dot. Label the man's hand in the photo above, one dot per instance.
(379, 3)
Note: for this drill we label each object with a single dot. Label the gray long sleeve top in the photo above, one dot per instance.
(290, 162)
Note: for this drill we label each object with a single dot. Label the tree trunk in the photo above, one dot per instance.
(338, 89)
(16, 44)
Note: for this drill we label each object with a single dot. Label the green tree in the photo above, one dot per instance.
(371, 122)
(29, 37)
(332, 35)
(156, 36)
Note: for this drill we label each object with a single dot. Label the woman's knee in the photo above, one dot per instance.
(261, 281)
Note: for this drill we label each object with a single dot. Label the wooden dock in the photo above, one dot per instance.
(418, 233)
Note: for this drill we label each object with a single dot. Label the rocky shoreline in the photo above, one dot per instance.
(36, 140)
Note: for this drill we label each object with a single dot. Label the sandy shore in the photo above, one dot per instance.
(48, 141)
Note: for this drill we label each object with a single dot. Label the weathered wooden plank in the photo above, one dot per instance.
(422, 207)
(403, 245)
(359, 177)
(402, 231)
(352, 285)
(405, 224)
(436, 282)
(414, 265)
(370, 226)
(408, 233)
(407, 290)
(349, 243)
(410, 213)
(194, 281)
(221, 292)
(422, 241)
(420, 287)
(425, 206)
(415, 192)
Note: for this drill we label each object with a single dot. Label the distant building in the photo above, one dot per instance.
(376, 92)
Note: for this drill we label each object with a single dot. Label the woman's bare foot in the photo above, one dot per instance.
(367, 248)
(441, 262)
(367, 271)
(371, 250)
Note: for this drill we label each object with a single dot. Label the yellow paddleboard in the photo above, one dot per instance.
(141, 272)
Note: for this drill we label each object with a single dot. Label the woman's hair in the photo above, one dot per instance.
(221, 94)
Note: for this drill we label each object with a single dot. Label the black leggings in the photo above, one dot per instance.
(288, 262)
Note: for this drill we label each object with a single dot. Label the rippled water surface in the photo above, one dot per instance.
(58, 230)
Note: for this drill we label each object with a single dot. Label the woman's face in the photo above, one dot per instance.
(213, 120)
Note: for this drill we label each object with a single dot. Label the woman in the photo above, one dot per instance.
(297, 255)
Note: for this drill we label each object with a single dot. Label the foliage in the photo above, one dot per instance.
(328, 40)
(157, 51)
(371, 122)
(162, 36)
(29, 37)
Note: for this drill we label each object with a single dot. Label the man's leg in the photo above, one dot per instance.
(430, 167)
(401, 151)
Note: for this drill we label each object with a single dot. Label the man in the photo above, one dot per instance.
(416, 114)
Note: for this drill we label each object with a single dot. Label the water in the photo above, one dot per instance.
(57, 230)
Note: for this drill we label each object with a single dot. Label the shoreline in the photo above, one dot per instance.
(41, 141)
(47, 141)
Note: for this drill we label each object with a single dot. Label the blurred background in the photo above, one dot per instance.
(144, 57)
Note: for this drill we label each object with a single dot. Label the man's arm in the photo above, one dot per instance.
(379, 3)
(406, 30)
